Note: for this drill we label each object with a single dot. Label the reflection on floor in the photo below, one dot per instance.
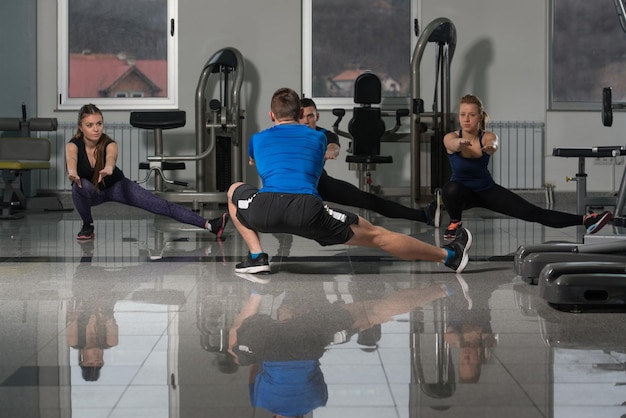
(136, 324)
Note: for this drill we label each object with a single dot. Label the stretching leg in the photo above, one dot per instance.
(250, 236)
(84, 198)
(504, 201)
(456, 198)
(402, 246)
(130, 193)
(344, 193)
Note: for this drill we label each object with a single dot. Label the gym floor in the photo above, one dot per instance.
(158, 298)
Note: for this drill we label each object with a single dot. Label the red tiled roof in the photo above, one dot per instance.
(348, 75)
(93, 73)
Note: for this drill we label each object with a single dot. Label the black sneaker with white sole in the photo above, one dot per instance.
(460, 246)
(258, 265)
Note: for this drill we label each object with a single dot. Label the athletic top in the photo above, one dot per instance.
(471, 172)
(289, 158)
(331, 137)
(86, 171)
(289, 388)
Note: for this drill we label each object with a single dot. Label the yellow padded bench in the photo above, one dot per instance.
(16, 156)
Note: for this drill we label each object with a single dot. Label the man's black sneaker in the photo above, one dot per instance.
(595, 221)
(218, 225)
(86, 233)
(259, 265)
(460, 246)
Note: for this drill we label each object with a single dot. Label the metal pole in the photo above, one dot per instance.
(441, 23)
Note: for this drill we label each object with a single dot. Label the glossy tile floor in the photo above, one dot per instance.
(152, 302)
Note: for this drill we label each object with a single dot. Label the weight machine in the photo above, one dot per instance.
(441, 32)
(218, 128)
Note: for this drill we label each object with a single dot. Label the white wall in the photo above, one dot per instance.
(501, 55)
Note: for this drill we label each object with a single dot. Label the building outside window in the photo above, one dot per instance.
(120, 54)
(342, 39)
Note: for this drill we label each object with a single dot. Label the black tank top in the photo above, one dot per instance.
(85, 170)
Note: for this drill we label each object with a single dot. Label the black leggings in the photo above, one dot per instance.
(456, 198)
(344, 193)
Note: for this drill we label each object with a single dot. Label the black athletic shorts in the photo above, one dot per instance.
(298, 214)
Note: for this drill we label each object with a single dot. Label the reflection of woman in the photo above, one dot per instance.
(91, 328)
(474, 342)
(469, 329)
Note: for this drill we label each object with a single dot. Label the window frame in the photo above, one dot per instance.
(326, 103)
(573, 104)
(116, 103)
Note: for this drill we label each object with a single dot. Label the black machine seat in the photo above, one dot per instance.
(157, 121)
(367, 126)
(161, 119)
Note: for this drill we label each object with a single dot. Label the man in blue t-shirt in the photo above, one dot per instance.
(290, 158)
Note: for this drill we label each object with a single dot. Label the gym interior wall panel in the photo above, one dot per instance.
(18, 65)
(518, 164)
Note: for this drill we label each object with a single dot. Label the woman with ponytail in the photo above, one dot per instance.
(91, 157)
(471, 185)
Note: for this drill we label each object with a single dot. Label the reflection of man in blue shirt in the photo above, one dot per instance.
(284, 346)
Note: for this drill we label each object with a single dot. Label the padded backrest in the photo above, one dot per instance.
(366, 126)
(367, 89)
(24, 149)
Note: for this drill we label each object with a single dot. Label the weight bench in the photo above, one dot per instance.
(16, 156)
(582, 200)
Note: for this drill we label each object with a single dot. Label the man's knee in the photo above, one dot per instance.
(365, 232)
(232, 188)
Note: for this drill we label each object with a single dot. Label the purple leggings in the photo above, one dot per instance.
(129, 193)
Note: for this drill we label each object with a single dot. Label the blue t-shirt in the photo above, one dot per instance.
(289, 388)
(289, 158)
(471, 172)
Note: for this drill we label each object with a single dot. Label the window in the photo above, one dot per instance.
(588, 52)
(118, 54)
(342, 39)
